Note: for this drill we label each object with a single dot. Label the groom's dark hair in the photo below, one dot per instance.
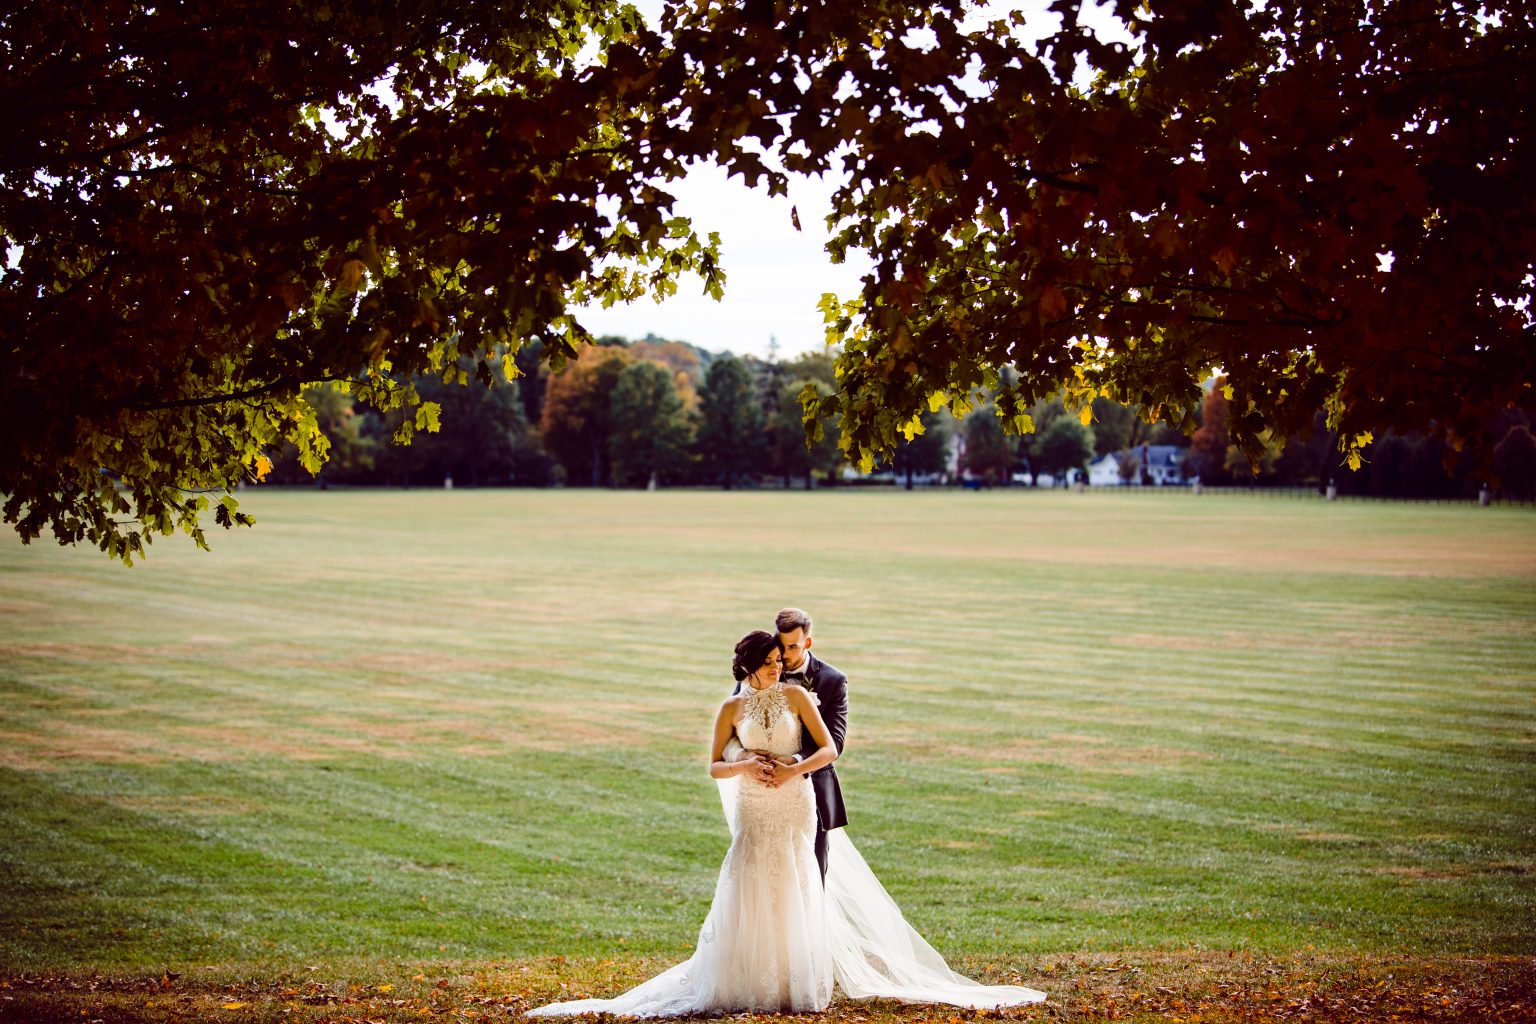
(791, 619)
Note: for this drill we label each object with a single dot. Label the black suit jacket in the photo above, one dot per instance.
(831, 688)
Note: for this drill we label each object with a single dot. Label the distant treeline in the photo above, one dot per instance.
(1395, 465)
(624, 414)
(630, 414)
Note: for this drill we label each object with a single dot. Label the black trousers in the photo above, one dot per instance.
(821, 851)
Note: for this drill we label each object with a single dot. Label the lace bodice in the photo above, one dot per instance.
(767, 722)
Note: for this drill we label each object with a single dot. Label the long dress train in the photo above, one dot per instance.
(775, 938)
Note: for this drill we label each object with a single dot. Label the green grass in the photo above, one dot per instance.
(472, 725)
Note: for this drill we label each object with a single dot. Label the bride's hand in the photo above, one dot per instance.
(757, 767)
(780, 771)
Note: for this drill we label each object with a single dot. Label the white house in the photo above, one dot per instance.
(1105, 472)
(1161, 464)
(1164, 463)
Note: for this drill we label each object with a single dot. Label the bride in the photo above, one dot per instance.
(776, 938)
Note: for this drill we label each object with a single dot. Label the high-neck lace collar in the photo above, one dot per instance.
(766, 704)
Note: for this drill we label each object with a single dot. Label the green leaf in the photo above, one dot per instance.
(427, 417)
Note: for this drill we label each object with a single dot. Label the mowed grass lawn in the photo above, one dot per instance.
(470, 726)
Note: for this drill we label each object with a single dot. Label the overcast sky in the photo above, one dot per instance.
(774, 274)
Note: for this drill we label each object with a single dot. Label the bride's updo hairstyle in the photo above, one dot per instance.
(752, 650)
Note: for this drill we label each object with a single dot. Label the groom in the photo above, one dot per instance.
(831, 689)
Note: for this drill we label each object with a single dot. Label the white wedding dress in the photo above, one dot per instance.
(776, 938)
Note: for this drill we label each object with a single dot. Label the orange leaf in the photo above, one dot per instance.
(352, 275)
(1053, 302)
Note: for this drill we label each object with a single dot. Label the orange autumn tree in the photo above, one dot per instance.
(578, 420)
(1209, 444)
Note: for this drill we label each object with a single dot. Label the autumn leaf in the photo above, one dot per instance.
(1053, 302)
(290, 293)
(352, 273)
(427, 414)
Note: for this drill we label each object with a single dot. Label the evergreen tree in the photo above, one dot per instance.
(649, 434)
(1514, 459)
(989, 451)
(731, 441)
(788, 456)
(1310, 458)
(927, 452)
(483, 438)
(1116, 427)
(1066, 444)
(816, 370)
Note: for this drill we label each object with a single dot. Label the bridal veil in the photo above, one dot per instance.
(875, 953)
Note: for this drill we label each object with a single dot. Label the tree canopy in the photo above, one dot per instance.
(207, 207)
(1333, 204)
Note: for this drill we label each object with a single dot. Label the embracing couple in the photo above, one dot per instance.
(796, 908)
